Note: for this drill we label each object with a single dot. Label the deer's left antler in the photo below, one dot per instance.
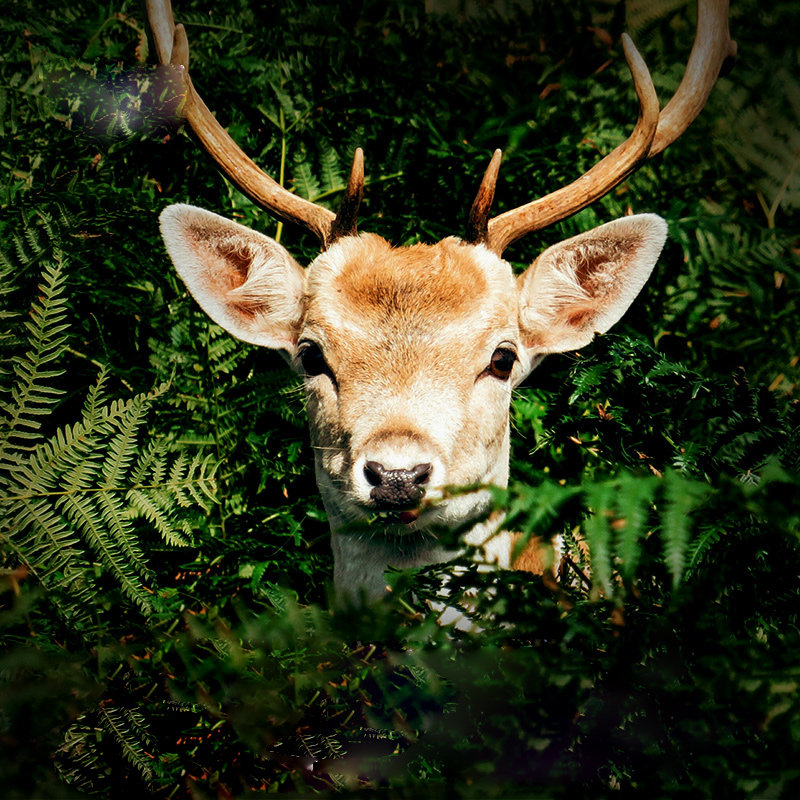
(712, 54)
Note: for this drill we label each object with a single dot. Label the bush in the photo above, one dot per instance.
(166, 624)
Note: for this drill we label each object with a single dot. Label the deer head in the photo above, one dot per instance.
(409, 355)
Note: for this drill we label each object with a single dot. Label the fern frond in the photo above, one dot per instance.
(153, 461)
(640, 14)
(129, 732)
(765, 142)
(700, 548)
(95, 399)
(224, 352)
(330, 170)
(77, 757)
(97, 738)
(67, 460)
(199, 480)
(64, 503)
(305, 182)
(634, 499)
(597, 528)
(113, 513)
(175, 480)
(30, 395)
(49, 546)
(586, 378)
(155, 508)
(124, 444)
(107, 545)
(55, 542)
(681, 497)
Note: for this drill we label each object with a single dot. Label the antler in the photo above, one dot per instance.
(172, 48)
(712, 52)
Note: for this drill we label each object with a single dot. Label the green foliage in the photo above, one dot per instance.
(70, 500)
(166, 629)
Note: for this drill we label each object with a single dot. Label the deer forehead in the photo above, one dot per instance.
(424, 296)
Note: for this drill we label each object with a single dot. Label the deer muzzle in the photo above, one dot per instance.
(396, 489)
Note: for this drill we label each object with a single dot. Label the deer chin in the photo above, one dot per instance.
(406, 517)
(408, 528)
(406, 520)
(354, 515)
(424, 519)
(436, 514)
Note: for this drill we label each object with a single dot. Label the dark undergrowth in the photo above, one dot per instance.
(166, 625)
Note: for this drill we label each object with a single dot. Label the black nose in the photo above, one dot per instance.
(397, 488)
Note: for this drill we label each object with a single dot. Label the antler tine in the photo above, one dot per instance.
(346, 218)
(172, 47)
(478, 223)
(653, 132)
(713, 54)
(162, 23)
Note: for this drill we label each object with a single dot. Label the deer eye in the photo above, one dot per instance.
(502, 363)
(312, 359)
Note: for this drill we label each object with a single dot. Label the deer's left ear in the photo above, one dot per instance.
(583, 285)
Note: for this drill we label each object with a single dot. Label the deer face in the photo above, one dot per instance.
(409, 355)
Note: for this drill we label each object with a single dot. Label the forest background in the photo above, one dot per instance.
(167, 626)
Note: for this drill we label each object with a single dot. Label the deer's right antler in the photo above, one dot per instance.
(712, 52)
(172, 48)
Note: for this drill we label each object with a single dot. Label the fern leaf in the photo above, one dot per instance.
(199, 481)
(123, 446)
(700, 548)
(681, 497)
(48, 545)
(633, 503)
(330, 172)
(126, 728)
(151, 460)
(30, 397)
(586, 378)
(597, 529)
(106, 545)
(175, 481)
(305, 182)
(77, 756)
(94, 401)
(43, 537)
(118, 524)
(147, 505)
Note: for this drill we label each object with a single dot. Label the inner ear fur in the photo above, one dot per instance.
(583, 285)
(245, 281)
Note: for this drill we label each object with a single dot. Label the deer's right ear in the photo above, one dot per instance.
(245, 281)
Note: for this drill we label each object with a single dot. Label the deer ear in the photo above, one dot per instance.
(245, 281)
(583, 285)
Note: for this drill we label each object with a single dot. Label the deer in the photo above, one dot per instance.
(409, 355)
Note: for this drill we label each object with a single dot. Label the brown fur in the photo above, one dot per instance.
(533, 558)
(421, 284)
(389, 317)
